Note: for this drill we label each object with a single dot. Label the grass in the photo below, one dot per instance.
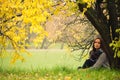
(61, 73)
(52, 65)
(43, 59)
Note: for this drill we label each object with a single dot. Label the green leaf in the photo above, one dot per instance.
(118, 53)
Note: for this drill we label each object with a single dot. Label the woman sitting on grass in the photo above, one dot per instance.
(97, 56)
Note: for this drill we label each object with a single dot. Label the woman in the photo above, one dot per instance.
(94, 55)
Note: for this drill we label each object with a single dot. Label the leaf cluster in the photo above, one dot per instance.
(19, 19)
(116, 44)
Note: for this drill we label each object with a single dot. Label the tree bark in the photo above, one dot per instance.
(112, 7)
(113, 17)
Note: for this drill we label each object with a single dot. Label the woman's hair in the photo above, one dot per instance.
(101, 43)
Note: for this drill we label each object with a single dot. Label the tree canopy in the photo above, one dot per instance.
(18, 19)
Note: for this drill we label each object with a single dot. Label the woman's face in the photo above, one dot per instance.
(97, 43)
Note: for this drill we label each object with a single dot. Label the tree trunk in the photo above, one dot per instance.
(112, 7)
(43, 43)
(101, 25)
(113, 17)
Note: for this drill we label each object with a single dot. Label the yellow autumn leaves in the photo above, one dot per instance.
(19, 19)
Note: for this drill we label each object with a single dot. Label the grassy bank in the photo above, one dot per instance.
(51, 65)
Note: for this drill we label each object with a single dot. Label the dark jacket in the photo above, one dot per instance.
(94, 55)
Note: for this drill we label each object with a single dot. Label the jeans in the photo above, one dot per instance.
(88, 63)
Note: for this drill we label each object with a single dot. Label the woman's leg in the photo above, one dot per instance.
(88, 63)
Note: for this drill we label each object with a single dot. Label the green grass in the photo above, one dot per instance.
(43, 59)
(61, 73)
(52, 65)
